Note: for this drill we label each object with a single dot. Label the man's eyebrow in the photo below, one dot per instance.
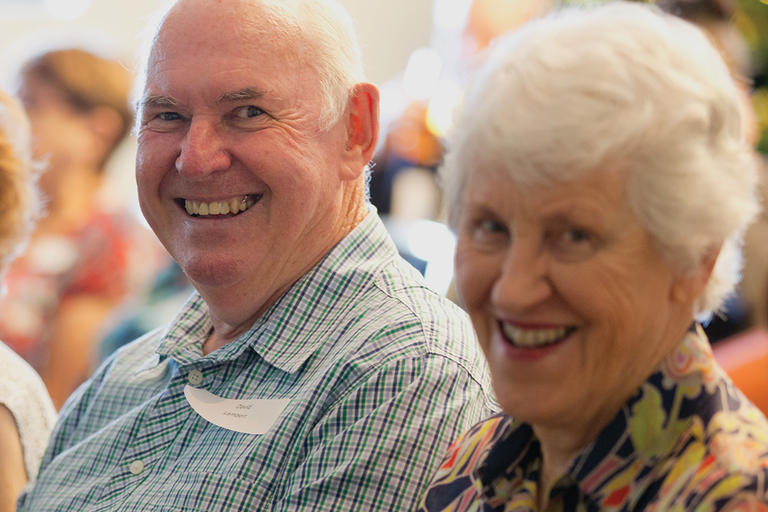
(157, 101)
(246, 93)
(160, 101)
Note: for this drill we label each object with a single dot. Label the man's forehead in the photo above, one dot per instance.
(193, 26)
(241, 17)
(184, 70)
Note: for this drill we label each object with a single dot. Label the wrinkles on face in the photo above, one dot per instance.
(570, 259)
(239, 119)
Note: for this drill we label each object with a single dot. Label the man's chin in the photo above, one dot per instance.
(211, 272)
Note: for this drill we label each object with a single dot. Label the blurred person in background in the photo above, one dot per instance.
(162, 300)
(404, 185)
(312, 369)
(403, 179)
(600, 183)
(26, 412)
(86, 255)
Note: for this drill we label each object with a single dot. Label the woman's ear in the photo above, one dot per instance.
(689, 286)
(362, 129)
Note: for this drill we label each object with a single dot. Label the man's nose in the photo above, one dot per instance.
(203, 150)
(523, 282)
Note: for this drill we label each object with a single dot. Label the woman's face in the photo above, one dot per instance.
(61, 135)
(573, 303)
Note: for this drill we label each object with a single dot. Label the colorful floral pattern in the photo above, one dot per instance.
(686, 440)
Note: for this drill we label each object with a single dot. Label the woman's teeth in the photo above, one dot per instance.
(231, 207)
(533, 337)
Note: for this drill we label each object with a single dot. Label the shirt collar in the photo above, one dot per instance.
(183, 339)
(305, 316)
(646, 428)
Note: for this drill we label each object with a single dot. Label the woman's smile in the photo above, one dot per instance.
(531, 337)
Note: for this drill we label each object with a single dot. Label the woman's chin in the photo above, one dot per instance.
(529, 380)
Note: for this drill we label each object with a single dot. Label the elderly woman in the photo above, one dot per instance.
(600, 186)
(26, 412)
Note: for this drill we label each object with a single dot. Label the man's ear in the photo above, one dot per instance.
(689, 286)
(362, 127)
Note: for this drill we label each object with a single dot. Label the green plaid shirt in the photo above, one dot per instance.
(382, 374)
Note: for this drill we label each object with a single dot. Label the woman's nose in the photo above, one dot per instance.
(523, 280)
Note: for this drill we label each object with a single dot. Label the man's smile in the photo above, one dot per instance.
(232, 206)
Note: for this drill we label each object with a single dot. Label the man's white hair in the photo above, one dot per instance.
(325, 30)
(625, 87)
(335, 53)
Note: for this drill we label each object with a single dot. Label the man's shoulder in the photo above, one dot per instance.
(364, 278)
(404, 289)
(408, 330)
(399, 308)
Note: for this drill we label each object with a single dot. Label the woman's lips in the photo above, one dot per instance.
(529, 336)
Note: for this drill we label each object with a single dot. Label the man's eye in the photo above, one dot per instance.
(162, 121)
(168, 116)
(247, 112)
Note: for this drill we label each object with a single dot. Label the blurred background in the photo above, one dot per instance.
(420, 53)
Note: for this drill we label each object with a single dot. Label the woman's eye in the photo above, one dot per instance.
(487, 232)
(576, 236)
(248, 112)
(573, 244)
(491, 226)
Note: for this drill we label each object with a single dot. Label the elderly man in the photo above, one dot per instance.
(313, 370)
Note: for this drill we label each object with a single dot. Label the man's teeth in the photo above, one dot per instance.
(232, 206)
(533, 337)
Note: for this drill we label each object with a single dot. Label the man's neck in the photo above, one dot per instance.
(228, 316)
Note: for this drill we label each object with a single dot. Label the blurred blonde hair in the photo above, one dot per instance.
(88, 81)
(19, 201)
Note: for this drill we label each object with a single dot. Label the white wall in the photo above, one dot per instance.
(388, 29)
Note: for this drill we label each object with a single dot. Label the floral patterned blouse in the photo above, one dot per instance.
(686, 440)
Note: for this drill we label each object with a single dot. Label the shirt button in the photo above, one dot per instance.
(195, 377)
(136, 467)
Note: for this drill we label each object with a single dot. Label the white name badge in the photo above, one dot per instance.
(247, 416)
